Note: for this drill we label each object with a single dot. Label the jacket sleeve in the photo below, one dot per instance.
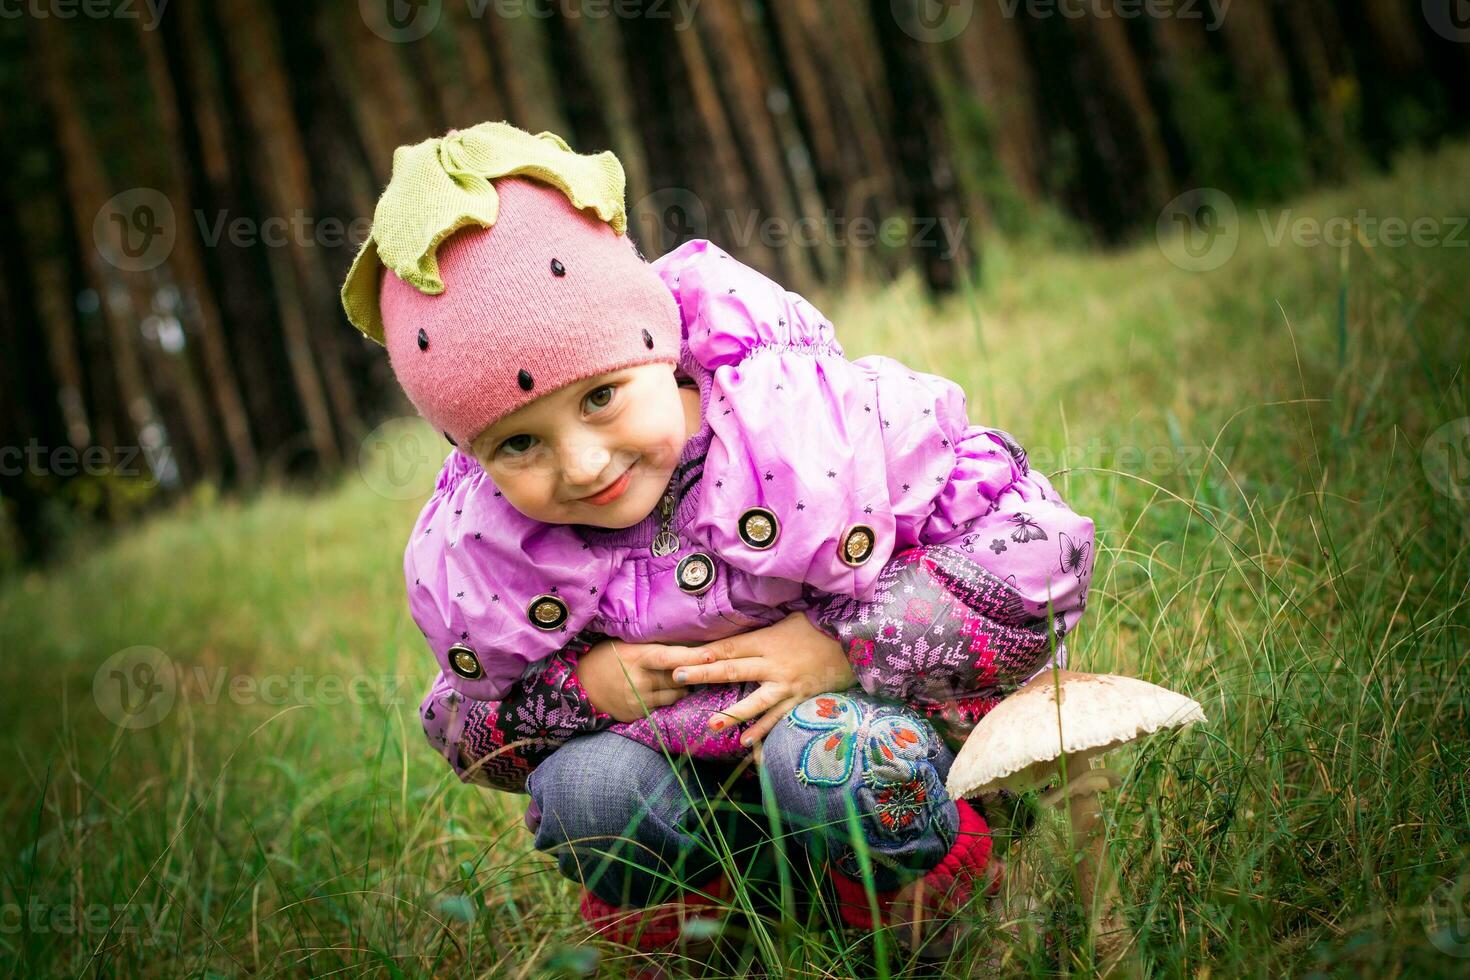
(927, 545)
(792, 422)
(982, 603)
(478, 572)
(497, 743)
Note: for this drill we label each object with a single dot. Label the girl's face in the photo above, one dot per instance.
(598, 451)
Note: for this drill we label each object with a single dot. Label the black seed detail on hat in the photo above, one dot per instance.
(647, 340)
(524, 378)
(423, 339)
(557, 269)
(451, 440)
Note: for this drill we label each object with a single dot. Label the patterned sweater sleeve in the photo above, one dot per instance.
(981, 604)
(498, 743)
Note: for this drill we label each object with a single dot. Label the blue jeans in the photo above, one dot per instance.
(844, 772)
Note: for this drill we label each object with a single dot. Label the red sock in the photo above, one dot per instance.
(652, 927)
(945, 887)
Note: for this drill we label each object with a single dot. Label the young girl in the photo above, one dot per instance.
(651, 457)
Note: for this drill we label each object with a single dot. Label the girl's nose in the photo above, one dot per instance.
(583, 465)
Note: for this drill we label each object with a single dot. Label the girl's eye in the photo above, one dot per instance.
(511, 446)
(600, 398)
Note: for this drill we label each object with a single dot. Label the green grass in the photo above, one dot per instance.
(1249, 441)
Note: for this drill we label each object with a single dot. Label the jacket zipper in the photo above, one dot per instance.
(665, 542)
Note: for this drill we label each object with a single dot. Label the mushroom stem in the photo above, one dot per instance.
(1097, 887)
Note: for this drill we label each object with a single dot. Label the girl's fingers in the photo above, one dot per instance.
(770, 720)
(751, 706)
(648, 700)
(668, 658)
(755, 735)
(662, 680)
(723, 672)
(731, 648)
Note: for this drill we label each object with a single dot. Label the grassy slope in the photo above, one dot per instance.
(1308, 585)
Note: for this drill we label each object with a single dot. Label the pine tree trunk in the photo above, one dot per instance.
(190, 268)
(678, 156)
(581, 97)
(388, 113)
(734, 194)
(1310, 44)
(744, 89)
(994, 62)
(478, 99)
(603, 43)
(847, 59)
(833, 167)
(86, 185)
(300, 279)
(1135, 120)
(511, 84)
(923, 152)
(219, 157)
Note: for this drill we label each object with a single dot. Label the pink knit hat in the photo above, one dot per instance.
(547, 295)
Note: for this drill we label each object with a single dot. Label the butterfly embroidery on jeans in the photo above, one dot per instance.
(887, 745)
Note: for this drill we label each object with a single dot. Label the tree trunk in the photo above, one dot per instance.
(519, 107)
(657, 73)
(30, 412)
(848, 60)
(603, 43)
(301, 279)
(923, 153)
(733, 187)
(581, 98)
(218, 158)
(994, 62)
(388, 114)
(1309, 42)
(86, 184)
(478, 99)
(744, 91)
(190, 268)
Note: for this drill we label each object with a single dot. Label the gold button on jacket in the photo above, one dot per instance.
(759, 528)
(547, 612)
(695, 573)
(462, 661)
(857, 545)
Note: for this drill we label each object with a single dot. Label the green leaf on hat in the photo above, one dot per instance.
(445, 184)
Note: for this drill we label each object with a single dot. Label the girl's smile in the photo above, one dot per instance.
(599, 451)
(614, 490)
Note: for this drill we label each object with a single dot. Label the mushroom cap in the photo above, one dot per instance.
(1017, 744)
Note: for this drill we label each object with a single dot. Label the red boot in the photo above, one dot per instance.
(924, 909)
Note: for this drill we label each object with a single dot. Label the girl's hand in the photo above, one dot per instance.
(627, 680)
(792, 660)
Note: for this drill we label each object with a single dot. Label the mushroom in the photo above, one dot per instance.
(1053, 728)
